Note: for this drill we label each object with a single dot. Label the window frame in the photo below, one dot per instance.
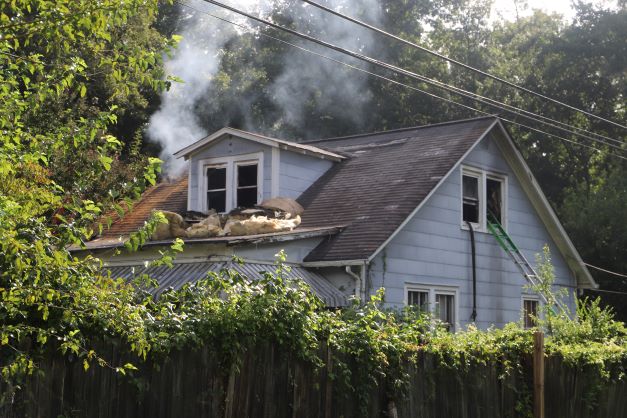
(483, 175)
(231, 163)
(529, 297)
(432, 291)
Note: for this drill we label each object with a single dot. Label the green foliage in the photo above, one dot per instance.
(67, 68)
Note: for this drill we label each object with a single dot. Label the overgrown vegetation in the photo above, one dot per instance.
(74, 73)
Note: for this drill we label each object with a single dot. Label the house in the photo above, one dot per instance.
(400, 210)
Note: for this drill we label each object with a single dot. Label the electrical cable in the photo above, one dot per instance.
(606, 271)
(248, 29)
(396, 69)
(459, 63)
(606, 291)
(482, 97)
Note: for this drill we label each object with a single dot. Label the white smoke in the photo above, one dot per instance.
(303, 77)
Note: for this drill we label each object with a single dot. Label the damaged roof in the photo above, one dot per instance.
(386, 176)
(170, 196)
(358, 203)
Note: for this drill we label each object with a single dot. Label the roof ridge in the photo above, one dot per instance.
(412, 128)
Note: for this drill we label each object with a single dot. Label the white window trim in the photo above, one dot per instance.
(533, 297)
(483, 175)
(231, 163)
(432, 290)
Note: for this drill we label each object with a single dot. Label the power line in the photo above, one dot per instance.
(459, 63)
(396, 69)
(393, 81)
(606, 271)
(607, 291)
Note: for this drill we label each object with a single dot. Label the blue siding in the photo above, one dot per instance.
(298, 172)
(433, 249)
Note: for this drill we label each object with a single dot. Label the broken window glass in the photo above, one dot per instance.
(471, 199)
(246, 185)
(494, 193)
(216, 188)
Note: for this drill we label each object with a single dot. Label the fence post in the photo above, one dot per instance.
(538, 374)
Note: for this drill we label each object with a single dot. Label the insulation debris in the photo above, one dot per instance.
(260, 225)
(271, 216)
(284, 204)
(175, 228)
(208, 227)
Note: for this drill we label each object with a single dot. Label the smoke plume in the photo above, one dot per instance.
(304, 79)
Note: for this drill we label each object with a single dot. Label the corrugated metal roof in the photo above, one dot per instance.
(176, 276)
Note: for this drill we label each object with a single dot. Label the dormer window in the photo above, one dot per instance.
(230, 182)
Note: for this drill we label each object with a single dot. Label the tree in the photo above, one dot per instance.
(66, 69)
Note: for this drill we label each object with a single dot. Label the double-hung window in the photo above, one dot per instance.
(530, 311)
(439, 301)
(230, 182)
(483, 198)
(216, 187)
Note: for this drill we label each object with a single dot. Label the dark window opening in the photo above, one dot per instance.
(216, 188)
(530, 313)
(419, 299)
(494, 191)
(470, 199)
(246, 185)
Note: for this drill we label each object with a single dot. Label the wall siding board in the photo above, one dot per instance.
(433, 249)
(298, 172)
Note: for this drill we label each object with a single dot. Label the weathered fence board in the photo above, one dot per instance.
(272, 383)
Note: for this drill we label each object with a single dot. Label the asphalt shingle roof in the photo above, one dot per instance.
(386, 176)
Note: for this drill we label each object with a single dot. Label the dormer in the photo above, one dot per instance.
(233, 168)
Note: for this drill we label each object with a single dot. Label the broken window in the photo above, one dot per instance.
(494, 192)
(470, 199)
(246, 185)
(229, 182)
(483, 198)
(530, 312)
(216, 188)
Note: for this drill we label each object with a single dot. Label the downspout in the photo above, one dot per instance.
(473, 315)
(359, 281)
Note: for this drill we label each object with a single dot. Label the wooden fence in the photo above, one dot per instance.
(270, 383)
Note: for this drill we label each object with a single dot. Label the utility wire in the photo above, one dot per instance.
(482, 97)
(248, 29)
(606, 271)
(459, 63)
(399, 70)
(606, 291)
